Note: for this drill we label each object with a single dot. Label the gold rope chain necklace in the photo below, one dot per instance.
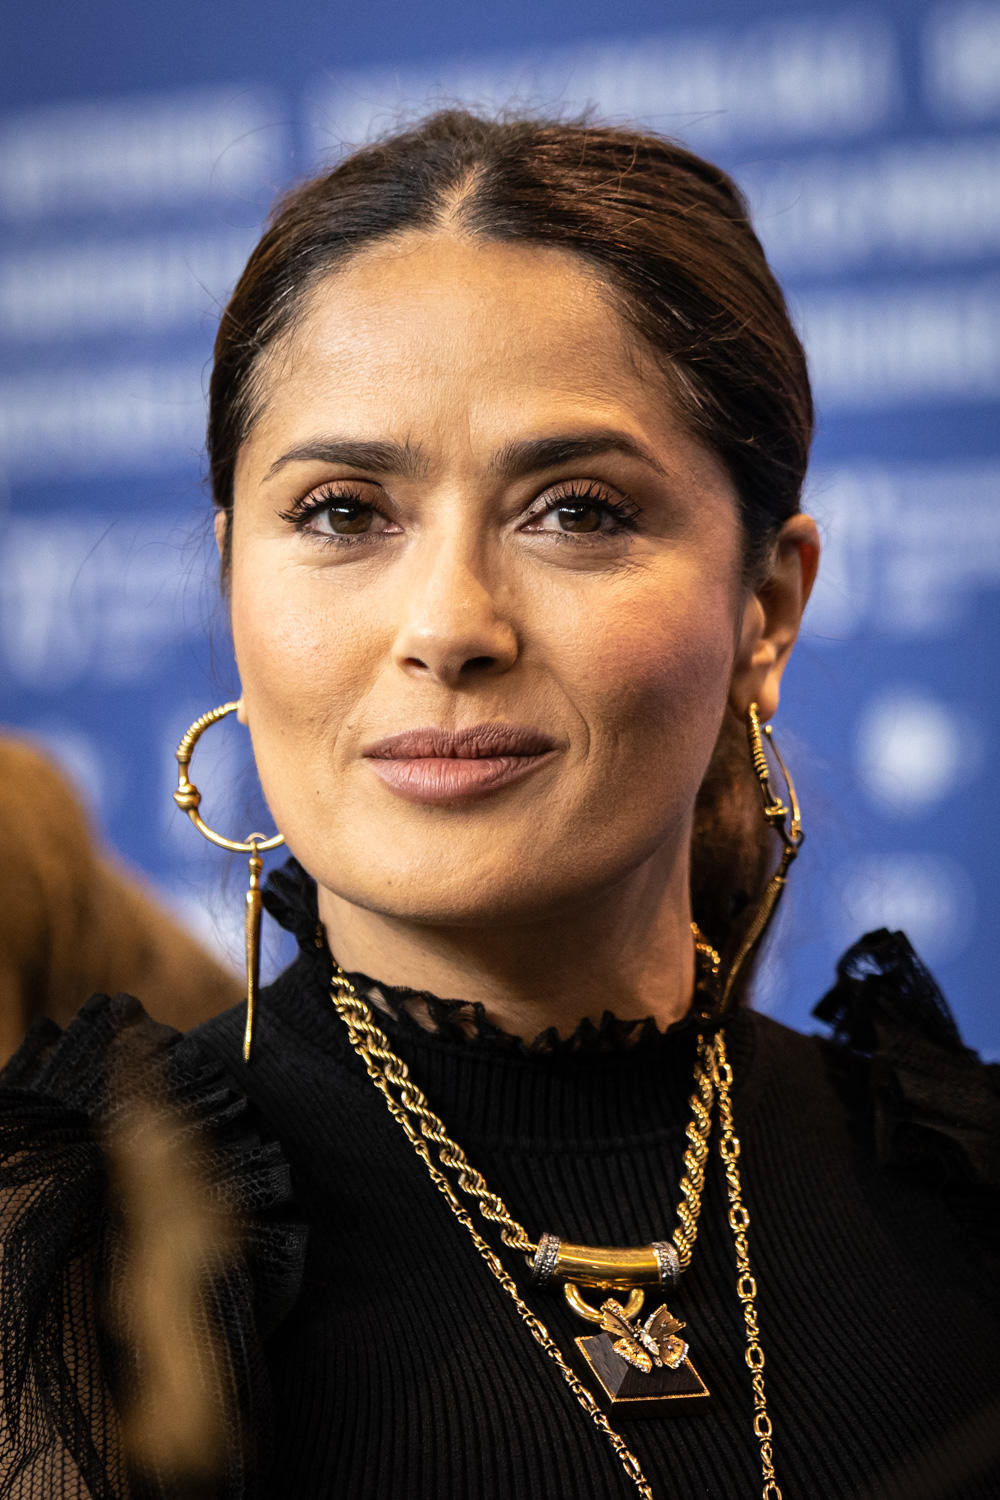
(713, 1077)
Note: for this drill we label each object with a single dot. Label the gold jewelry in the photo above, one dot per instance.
(188, 799)
(650, 1350)
(786, 820)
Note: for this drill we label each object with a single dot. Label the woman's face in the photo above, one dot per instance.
(486, 589)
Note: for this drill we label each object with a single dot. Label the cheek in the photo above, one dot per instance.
(647, 683)
(655, 669)
(303, 668)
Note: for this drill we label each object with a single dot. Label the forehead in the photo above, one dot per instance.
(456, 345)
(451, 295)
(414, 308)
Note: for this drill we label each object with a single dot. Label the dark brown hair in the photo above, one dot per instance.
(669, 236)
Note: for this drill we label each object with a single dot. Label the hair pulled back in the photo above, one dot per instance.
(669, 236)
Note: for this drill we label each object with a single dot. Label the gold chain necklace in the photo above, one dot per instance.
(713, 1077)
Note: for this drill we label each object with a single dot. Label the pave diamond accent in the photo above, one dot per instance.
(669, 1263)
(544, 1262)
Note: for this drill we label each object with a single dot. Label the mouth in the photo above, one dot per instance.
(448, 765)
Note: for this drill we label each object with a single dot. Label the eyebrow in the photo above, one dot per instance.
(378, 457)
(513, 461)
(516, 459)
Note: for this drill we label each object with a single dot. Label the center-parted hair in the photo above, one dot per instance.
(669, 236)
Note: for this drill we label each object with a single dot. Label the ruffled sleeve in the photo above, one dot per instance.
(75, 1131)
(934, 1106)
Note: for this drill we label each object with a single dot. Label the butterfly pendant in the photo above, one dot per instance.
(641, 1367)
(654, 1343)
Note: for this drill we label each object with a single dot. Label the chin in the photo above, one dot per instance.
(460, 897)
(493, 871)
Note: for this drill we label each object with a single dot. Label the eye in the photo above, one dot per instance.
(344, 518)
(580, 518)
(338, 514)
(588, 509)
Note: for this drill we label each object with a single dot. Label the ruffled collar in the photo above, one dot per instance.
(290, 898)
(465, 1021)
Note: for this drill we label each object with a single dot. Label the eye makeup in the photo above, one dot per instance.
(582, 511)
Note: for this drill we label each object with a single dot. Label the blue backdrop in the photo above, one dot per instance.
(139, 148)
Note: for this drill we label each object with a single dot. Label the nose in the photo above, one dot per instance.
(454, 627)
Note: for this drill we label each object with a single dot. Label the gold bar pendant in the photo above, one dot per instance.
(615, 1268)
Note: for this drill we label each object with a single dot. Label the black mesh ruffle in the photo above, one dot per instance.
(934, 1106)
(415, 1011)
(62, 1363)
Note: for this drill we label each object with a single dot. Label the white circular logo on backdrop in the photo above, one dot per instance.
(930, 897)
(913, 750)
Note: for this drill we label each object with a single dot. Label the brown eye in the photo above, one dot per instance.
(585, 510)
(347, 518)
(339, 516)
(579, 517)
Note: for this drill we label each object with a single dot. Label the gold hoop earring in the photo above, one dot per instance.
(786, 820)
(188, 799)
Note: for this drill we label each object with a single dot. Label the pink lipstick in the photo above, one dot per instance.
(447, 765)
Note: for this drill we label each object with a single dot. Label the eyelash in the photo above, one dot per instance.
(623, 511)
(301, 512)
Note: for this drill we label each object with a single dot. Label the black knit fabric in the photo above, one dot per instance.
(403, 1371)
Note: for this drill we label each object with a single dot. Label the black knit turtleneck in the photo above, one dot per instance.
(404, 1371)
(370, 1353)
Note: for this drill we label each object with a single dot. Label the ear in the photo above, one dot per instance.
(771, 619)
(222, 522)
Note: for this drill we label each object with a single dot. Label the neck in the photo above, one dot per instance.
(628, 950)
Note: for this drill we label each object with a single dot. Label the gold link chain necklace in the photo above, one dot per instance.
(713, 1077)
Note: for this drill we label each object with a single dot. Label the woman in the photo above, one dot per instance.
(508, 430)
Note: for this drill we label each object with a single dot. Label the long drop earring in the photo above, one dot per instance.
(188, 799)
(785, 818)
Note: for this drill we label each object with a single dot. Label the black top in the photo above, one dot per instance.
(376, 1356)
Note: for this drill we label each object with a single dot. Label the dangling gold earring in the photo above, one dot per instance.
(188, 799)
(785, 819)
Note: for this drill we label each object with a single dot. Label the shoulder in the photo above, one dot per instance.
(917, 1102)
(66, 1092)
(124, 1146)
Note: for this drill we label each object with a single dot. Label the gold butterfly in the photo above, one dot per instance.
(655, 1343)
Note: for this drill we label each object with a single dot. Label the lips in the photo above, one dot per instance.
(480, 742)
(434, 765)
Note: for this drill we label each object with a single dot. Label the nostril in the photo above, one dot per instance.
(478, 663)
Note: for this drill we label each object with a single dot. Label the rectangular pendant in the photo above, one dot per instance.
(628, 1391)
